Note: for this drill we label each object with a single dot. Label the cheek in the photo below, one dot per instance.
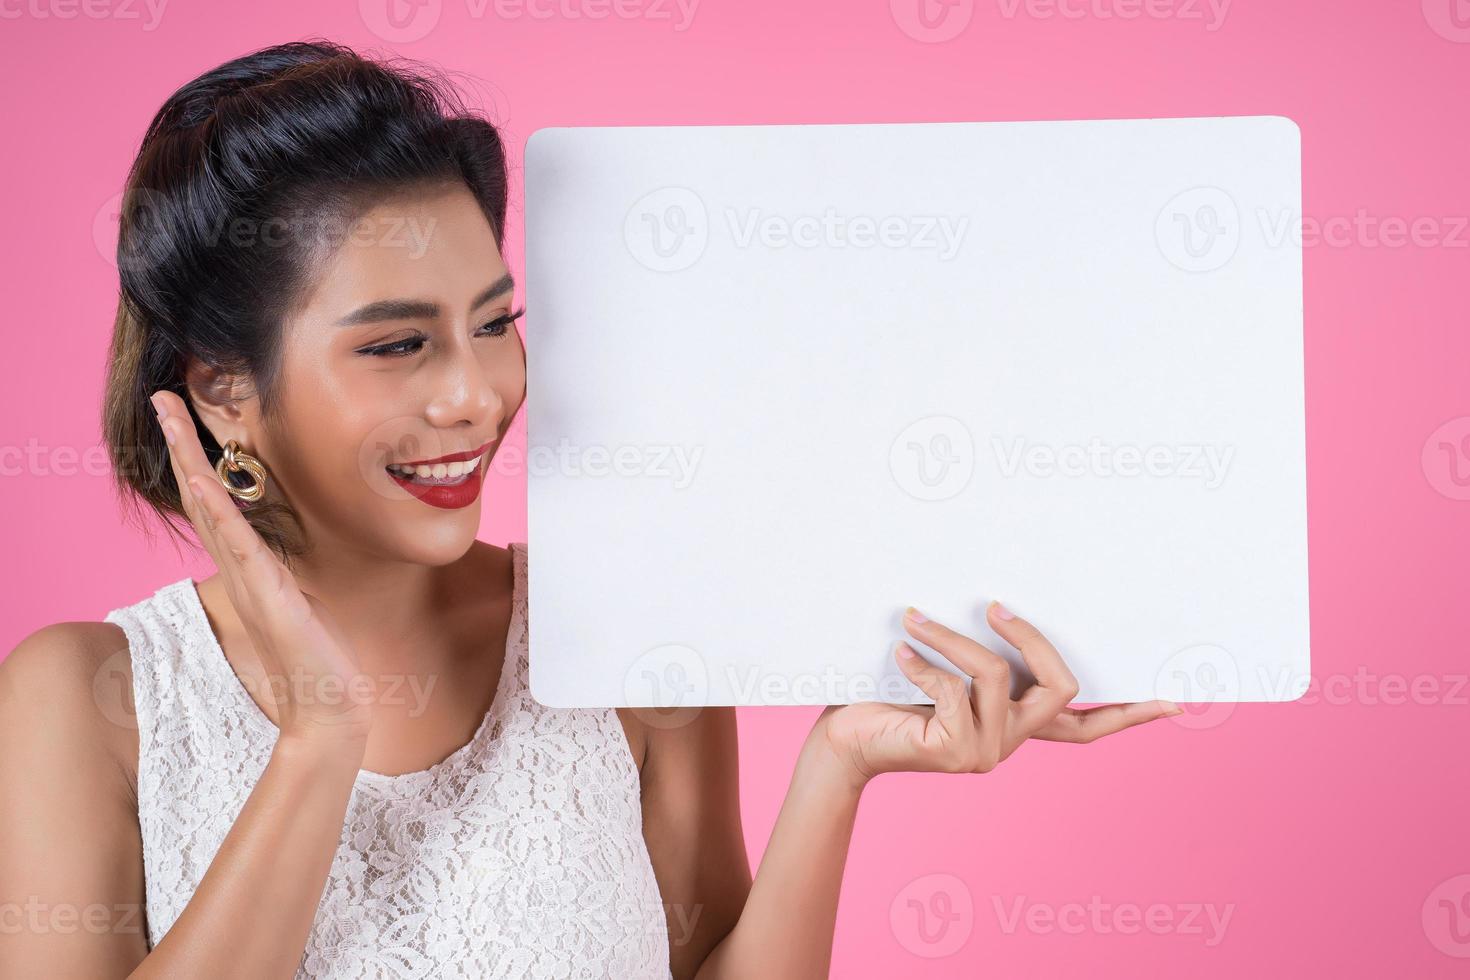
(333, 432)
(508, 376)
(328, 454)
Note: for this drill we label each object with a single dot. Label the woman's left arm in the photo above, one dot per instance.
(690, 779)
(784, 928)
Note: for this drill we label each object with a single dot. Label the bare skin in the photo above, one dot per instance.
(394, 588)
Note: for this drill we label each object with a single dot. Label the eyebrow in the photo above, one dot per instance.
(419, 309)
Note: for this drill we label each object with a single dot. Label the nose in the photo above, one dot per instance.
(465, 396)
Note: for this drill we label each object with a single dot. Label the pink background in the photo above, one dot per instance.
(1329, 829)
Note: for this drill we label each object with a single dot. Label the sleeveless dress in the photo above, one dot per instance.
(519, 855)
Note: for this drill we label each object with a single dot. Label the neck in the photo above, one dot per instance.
(388, 610)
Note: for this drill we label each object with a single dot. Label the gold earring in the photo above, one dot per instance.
(233, 461)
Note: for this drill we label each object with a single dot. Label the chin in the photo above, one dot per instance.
(441, 540)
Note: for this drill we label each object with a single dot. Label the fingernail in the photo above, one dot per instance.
(915, 616)
(158, 407)
(167, 434)
(1001, 612)
(1171, 709)
(905, 651)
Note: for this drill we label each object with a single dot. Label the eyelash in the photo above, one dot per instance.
(399, 348)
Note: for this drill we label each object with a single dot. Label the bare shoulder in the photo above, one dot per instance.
(56, 658)
(66, 695)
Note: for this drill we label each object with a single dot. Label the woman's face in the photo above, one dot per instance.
(404, 351)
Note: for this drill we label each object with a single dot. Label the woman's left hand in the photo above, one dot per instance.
(974, 730)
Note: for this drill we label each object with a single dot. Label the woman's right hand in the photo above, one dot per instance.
(327, 697)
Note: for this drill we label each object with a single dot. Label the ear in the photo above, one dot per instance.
(224, 402)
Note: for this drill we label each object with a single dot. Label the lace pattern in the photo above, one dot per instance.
(519, 855)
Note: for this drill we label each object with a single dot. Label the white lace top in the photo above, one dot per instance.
(519, 855)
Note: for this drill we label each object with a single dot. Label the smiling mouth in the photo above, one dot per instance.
(447, 471)
(436, 474)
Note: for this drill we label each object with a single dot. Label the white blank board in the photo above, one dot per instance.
(784, 381)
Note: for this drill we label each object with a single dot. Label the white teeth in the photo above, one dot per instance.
(436, 472)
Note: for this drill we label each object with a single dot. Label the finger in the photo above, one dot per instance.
(990, 691)
(186, 458)
(255, 568)
(1055, 686)
(1091, 724)
(261, 581)
(951, 705)
(191, 465)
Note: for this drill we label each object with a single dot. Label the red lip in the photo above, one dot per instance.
(453, 497)
(451, 458)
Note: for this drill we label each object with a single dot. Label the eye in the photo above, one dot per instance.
(498, 326)
(398, 348)
(412, 345)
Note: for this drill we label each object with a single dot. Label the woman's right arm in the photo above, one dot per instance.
(71, 864)
(69, 836)
(71, 868)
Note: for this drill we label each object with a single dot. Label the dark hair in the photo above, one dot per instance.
(285, 143)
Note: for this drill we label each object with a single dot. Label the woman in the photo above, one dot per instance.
(336, 768)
